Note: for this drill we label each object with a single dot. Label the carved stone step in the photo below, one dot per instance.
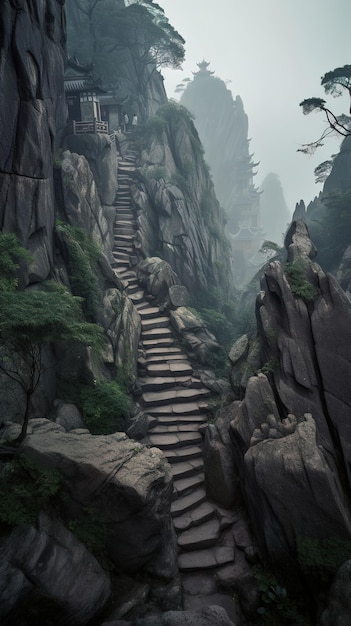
(162, 428)
(150, 312)
(163, 359)
(186, 453)
(155, 322)
(185, 503)
(138, 296)
(183, 486)
(200, 537)
(168, 441)
(156, 333)
(180, 420)
(159, 383)
(174, 396)
(177, 410)
(187, 468)
(195, 517)
(169, 368)
(205, 559)
(158, 342)
(163, 351)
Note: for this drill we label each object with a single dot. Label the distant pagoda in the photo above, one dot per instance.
(203, 71)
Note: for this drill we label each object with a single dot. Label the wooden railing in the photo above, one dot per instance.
(93, 126)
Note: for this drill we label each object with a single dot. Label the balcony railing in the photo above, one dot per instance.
(93, 126)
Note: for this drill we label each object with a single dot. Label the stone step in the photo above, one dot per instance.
(156, 333)
(122, 222)
(138, 296)
(168, 441)
(124, 230)
(163, 359)
(175, 410)
(158, 342)
(158, 383)
(187, 468)
(180, 420)
(173, 396)
(169, 368)
(123, 238)
(200, 515)
(128, 250)
(186, 453)
(200, 537)
(162, 351)
(150, 312)
(182, 486)
(155, 322)
(119, 268)
(132, 288)
(186, 503)
(205, 559)
(183, 427)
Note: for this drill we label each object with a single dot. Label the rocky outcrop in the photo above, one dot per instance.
(128, 486)
(193, 332)
(32, 107)
(291, 433)
(339, 606)
(179, 217)
(100, 151)
(46, 569)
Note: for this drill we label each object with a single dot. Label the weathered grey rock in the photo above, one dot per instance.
(67, 415)
(200, 341)
(81, 203)
(122, 324)
(182, 207)
(178, 296)
(244, 358)
(294, 423)
(221, 481)
(338, 610)
(48, 569)
(101, 154)
(33, 109)
(157, 276)
(129, 484)
(206, 616)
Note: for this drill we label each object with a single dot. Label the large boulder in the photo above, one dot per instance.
(193, 331)
(338, 610)
(81, 204)
(45, 570)
(157, 276)
(100, 151)
(129, 486)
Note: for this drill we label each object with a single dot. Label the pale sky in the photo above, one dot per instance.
(274, 53)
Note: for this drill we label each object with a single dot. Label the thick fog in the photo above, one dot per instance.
(273, 54)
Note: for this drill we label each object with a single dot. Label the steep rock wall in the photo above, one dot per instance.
(291, 434)
(32, 54)
(179, 217)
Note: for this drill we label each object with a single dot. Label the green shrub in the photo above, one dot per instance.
(300, 286)
(105, 407)
(25, 490)
(322, 557)
(83, 256)
(90, 529)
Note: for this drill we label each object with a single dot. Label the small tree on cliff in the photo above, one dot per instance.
(335, 83)
(30, 320)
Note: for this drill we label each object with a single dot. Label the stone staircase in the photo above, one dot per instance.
(177, 402)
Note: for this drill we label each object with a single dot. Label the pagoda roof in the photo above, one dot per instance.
(80, 78)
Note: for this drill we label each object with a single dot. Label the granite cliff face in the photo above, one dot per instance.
(32, 52)
(179, 217)
(291, 433)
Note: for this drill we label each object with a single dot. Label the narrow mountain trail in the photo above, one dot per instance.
(177, 401)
